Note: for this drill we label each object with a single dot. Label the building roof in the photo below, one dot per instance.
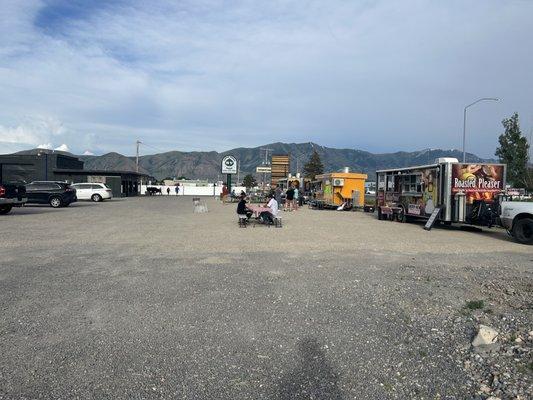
(98, 172)
(346, 175)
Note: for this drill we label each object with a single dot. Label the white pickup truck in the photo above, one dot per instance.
(517, 218)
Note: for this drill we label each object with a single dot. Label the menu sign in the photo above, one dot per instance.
(478, 181)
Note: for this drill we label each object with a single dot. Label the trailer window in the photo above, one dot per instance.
(390, 183)
(381, 181)
(412, 183)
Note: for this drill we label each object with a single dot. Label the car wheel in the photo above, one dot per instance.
(96, 198)
(5, 209)
(56, 202)
(523, 231)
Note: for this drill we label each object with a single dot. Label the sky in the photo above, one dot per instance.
(383, 76)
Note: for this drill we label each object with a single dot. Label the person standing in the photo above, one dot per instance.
(224, 193)
(168, 191)
(277, 195)
(177, 189)
(296, 196)
(289, 198)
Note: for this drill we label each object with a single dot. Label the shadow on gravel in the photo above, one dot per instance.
(313, 377)
(27, 211)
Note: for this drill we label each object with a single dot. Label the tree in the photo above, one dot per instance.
(314, 166)
(513, 151)
(249, 181)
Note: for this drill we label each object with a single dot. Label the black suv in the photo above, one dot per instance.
(57, 194)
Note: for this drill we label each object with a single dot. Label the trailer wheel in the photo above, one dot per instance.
(6, 208)
(523, 231)
(402, 216)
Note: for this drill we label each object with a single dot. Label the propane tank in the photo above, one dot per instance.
(460, 207)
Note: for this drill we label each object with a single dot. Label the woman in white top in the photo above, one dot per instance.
(266, 216)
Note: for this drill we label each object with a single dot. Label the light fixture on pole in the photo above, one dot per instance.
(464, 120)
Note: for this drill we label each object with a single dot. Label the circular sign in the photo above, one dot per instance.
(229, 165)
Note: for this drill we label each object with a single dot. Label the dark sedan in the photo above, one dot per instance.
(57, 194)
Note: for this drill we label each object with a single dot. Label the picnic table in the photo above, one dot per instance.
(257, 210)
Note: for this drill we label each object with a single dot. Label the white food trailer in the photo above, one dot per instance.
(450, 190)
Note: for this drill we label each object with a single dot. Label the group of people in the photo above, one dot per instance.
(176, 190)
(266, 216)
(275, 200)
(292, 197)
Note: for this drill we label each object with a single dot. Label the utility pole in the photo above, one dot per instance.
(265, 162)
(464, 120)
(137, 158)
(238, 170)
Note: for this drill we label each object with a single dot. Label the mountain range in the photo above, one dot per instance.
(206, 165)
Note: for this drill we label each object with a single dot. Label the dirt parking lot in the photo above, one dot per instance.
(141, 298)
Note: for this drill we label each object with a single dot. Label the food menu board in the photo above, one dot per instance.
(478, 181)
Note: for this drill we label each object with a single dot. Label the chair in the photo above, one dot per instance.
(243, 220)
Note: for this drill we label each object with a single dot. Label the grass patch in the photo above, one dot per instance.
(525, 368)
(475, 305)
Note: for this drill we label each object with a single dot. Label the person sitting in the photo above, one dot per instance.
(268, 216)
(242, 210)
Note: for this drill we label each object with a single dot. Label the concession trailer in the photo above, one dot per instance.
(340, 189)
(446, 191)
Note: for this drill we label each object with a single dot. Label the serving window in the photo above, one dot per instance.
(412, 183)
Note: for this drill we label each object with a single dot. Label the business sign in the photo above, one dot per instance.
(516, 192)
(478, 181)
(229, 165)
(263, 170)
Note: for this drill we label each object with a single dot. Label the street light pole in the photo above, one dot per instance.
(464, 120)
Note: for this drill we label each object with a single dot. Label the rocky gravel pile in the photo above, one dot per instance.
(499, 360)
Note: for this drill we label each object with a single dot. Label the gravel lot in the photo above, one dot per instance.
(141, 298)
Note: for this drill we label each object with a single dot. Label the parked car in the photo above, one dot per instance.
(92, 191)
(57, 194)
(150, 191)
(11, 195)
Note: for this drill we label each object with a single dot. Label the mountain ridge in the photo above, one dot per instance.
(206, 165)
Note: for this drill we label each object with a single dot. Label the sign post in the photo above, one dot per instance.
(229, 167)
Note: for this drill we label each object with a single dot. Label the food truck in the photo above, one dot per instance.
(340, 189)
(303, 184)
(453, 191)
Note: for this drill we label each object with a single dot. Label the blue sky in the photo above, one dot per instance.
(212, 75)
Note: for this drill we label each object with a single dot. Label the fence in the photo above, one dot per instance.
(192, 190)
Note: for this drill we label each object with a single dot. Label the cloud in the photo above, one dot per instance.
(88, 153)
(207, 75)
(32, 130)
(47, 146)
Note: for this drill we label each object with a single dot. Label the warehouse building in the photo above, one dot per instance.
(53, 166)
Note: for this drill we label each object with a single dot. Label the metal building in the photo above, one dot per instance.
(53, 166)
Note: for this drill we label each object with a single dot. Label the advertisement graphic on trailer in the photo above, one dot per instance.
(478, 181)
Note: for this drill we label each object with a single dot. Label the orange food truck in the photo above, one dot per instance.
(340, 189)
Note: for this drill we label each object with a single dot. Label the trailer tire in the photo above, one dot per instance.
(5, 209)
(402, 216)
(523, 231)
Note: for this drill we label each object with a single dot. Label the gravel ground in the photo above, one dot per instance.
(141, 298)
